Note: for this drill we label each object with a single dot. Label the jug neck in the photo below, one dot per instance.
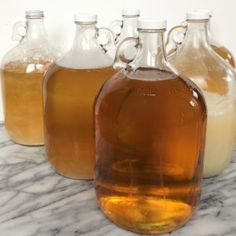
(129, 28)
(85, 36)
(152, 53)
(208, 31)
(197, 34)
(35, 29)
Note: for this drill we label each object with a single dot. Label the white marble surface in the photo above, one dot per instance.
(35, 201)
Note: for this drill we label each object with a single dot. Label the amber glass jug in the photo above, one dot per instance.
(150, 129)
(70, 87)
(22, 79)
(198, 61)
(176, 36)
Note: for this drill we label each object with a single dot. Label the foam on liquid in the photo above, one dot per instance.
(92, 59)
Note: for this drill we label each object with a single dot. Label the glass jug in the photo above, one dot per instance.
(125, 28)
(70, 87)
(150, 128)
(217, 80)
(176, 36)
(22, 78)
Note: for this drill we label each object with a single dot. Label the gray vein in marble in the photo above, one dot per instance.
(35, 201)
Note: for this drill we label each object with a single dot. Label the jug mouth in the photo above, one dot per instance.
(199, 14)
(152, 24)
(129, 12)
(34, 14)
(84, 18)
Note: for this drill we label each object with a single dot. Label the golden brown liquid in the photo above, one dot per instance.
(22, 99)
(68, 107)
(149, 145)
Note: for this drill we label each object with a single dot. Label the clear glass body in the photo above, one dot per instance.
(150, 129)
(199, 62)
(71, 85)
(222, 51)
(129, 29)
(219, 49)
(22, 79)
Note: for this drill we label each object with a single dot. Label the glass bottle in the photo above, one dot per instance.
(222, 51)
(124, 29)
(199, 62)
(22, 78)
(176, 36)
(150, 128)
(70, 87)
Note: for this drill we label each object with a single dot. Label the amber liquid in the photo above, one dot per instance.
(225, 54)
(218, 87)
(22, 100)
(149, 145)
(68, 107)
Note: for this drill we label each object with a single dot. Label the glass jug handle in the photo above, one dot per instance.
(116, 27)
(106, 39)
(175, 38)
(127, 50)
(19, 31)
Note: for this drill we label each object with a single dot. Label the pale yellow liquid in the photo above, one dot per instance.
(220, 133)
(22, 101)
(68, 111)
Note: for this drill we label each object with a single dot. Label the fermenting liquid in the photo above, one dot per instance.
(224, 53)
(147, 174)
(220, 133)
(219, 92)
(68, 108)
(220, 50)
(22, 99)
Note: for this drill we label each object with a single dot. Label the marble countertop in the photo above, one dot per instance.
(35, 201)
